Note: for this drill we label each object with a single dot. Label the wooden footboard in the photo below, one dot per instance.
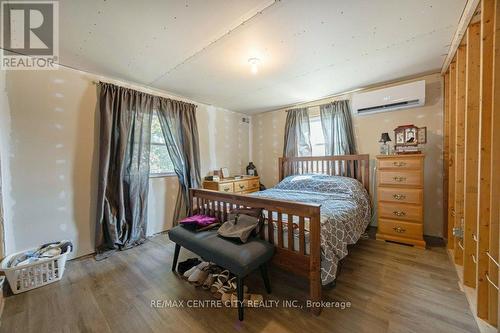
(282, 213)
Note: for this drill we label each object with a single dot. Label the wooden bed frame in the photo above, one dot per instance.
(307, 265)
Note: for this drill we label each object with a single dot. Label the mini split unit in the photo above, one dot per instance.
(409, 95)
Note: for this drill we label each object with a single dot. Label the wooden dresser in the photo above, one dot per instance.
(400, 198)
(247, 184)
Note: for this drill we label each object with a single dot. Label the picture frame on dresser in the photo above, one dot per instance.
(422, 135)
(224, 172)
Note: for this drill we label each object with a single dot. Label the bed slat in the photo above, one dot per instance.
(290, 231)
(302, 248)
(270, 227)
(220, 208)
(224, 213)
(358, 171)
(280, 231)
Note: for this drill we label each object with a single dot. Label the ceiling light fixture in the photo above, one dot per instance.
(254, 62)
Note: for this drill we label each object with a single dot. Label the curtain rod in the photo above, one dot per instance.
(306, 106)
(94, 82)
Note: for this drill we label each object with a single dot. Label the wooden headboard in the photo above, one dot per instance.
(353, 166)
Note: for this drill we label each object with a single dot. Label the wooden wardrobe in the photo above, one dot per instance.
(472, 156)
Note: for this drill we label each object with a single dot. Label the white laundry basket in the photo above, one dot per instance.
(40, 273)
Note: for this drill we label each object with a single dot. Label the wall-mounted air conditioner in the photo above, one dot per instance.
(404, 96)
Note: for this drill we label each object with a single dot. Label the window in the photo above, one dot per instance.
(317, 138)
(159, 160)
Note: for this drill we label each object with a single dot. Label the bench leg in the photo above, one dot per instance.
(239, 287)
(176, 257)
(265, 277)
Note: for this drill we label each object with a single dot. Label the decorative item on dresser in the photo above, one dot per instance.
(409, 138)
(252, 169)
(384, 147)
(243, 185)
(400, 193)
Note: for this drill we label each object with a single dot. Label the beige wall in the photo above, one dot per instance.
(53, 158)
(268, 132)
(224, 140)
(5, 202)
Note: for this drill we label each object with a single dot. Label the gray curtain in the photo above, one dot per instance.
(297, 133)
(338, 131)
(178, 123)
(124, 143)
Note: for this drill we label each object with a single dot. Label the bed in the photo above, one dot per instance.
(324, 200)
(345, 213)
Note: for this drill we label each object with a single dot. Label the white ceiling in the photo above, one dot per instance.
(308, 49)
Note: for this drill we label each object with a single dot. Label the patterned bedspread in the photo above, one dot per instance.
(345, 212)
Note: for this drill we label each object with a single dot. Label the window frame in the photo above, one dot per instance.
(316, 119)
(161, 174)
(151, 143)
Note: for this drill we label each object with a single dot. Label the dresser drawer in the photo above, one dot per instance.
(407, 177)
(400, 229)
(400, 163)
(240, 186)
(400, 211)
(403, 195)
(253, 184)
(228, 187)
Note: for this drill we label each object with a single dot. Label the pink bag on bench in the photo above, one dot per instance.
(198, 220)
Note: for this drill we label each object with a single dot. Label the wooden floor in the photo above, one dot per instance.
(392, 288)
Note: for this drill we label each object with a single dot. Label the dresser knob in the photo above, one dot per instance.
(226, 189)
(399, 196)
(242, 186)
(399, 213)
(399, 230)
(399, 164)
(399, 179)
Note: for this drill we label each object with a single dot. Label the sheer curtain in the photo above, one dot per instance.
(178, 123)
(338, 131)
(297, 134)
(125, 131)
